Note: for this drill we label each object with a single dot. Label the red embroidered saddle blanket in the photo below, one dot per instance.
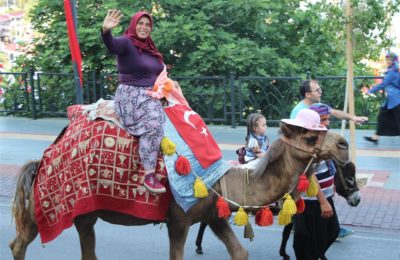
(93, 165)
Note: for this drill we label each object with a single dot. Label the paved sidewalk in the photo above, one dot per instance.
(378, 166)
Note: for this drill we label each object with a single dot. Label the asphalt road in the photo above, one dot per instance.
(150, 242)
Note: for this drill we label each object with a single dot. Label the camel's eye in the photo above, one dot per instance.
(311, 140)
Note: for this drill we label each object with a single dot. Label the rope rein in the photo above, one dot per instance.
(246, 180)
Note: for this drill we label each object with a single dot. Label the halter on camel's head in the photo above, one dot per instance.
(309, 120)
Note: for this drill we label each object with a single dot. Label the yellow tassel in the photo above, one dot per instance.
(241, 217)
(289, 206)
(312, 189)
(288, 210)
(284, 219)
(200, 189)
(167, 146)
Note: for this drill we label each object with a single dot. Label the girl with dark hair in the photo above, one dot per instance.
(257, 141)
(139, 63)
(389, 116)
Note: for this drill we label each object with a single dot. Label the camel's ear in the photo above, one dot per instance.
(286, 130)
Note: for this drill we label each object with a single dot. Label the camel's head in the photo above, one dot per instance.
(334, 147)
(325, 144)
(306, 134)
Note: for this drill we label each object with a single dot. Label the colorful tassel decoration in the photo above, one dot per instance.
(167, 146)
(289, 206)
(312, 189)
(200, 189)
(223, 208)
(248, 231)
(264, 217)
(303, 183)
(300, 205)
(284, 219)
(168, 85)
(182, 165)
(288, 210)
(241, 217)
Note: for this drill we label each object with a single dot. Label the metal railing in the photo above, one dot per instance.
(218, 99)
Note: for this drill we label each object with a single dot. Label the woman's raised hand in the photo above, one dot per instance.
(112, 19)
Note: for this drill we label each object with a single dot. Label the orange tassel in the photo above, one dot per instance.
(264, 217)
(168, 85)
(300, 205)
(303, 183)
(223, 208)
(182, 165)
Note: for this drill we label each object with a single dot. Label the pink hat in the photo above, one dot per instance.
(308, 119)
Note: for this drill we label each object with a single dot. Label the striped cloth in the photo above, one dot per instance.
(325, 173)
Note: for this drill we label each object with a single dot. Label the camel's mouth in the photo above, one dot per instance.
(341, 161)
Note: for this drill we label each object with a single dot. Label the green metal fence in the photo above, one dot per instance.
(218, 99)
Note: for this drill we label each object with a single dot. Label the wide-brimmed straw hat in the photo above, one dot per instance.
(307, 119)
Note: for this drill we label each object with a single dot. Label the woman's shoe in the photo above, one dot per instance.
(370, 139)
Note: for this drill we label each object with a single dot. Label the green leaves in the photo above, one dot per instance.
(253, 37)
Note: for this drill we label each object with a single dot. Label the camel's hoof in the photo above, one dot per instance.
(12, 245)
(284, 255)
(199, 250)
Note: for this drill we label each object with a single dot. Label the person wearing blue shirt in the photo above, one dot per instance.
(389, 116)
(311, 92)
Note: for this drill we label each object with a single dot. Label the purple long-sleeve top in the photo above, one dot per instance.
(134, 68)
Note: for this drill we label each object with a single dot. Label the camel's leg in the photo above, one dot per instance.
(222, 229)
(177, 232)
(285, 237)
(20, 243)
(199, 239)
(85, 226)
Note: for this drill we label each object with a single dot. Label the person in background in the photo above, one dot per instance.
(312, 93)
(257, 141)
(389, 115)
(139, 63)
(317, 227)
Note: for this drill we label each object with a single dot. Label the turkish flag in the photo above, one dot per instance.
(195, 133)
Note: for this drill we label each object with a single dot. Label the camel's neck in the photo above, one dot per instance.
(278, 178)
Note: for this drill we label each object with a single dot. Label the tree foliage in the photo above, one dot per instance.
(253, 37)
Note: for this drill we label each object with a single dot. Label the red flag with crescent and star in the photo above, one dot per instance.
(195, 133)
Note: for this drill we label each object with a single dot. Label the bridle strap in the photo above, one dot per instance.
(296, 146)
(301, 147)
(224, 189)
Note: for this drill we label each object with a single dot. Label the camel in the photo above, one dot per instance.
(276, 174)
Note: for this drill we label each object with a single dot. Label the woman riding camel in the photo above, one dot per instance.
(139, 63)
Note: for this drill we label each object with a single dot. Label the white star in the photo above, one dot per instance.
(204, 131)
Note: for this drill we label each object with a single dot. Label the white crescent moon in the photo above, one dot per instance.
(186, 117)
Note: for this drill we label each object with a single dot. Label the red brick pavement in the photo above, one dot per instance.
(379, 207)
